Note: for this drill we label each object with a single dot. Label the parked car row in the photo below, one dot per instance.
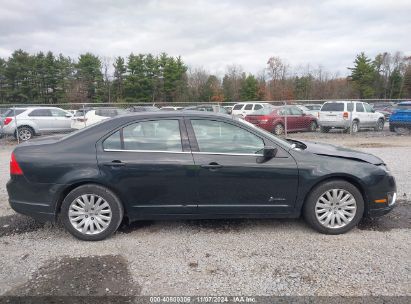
(25, 122)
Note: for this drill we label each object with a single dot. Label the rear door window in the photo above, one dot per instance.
(333, 107)
(238, 107)
(40, 113)
(248, 107)
(154, 135)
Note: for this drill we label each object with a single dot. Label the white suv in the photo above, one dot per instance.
(340, 114)
(247, 107)
(31, 121)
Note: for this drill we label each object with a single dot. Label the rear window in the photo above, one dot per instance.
(264, 111)
(107, 112)
(238, 107)
(12, 112)
(333, 106)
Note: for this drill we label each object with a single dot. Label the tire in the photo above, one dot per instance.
(113, 210)
(392, 129)
(313, 126)
(24, 133)
(278, 129)
(355, 126)
(402, 130)
(314, 207)
(380, 125)
(324, 129)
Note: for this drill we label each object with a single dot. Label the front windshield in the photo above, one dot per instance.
(268, 134)
(304, 108)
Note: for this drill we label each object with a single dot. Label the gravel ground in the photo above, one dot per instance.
(217, 257)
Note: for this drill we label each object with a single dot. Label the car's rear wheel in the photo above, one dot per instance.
(279, 129)
(313, 126)
(334, 207)
(91, 212)
(380, 125)
(325, 129)
(24, 133)
(355, 126)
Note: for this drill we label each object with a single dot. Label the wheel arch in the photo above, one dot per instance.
(27, 126)
(345, 177)
(60, 197)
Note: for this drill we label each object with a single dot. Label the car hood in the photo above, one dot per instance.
(337, 151)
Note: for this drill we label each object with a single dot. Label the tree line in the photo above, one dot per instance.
(48, 78)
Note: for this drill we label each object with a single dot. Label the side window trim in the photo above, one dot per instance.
(183, 137)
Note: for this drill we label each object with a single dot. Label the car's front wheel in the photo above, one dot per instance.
(91, 212)
(380, 125)
(334, 207)
(313, 126)
(279, 129)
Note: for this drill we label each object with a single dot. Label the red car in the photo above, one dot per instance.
(272, 119)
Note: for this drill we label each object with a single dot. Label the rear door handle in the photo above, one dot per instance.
(212, 166)
(115, 163)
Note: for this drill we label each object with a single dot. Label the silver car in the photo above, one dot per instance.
(31, 121)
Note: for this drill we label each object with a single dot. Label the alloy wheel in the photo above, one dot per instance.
(90, 214)
(380, 125)
(24, 134)
(313, 126)
(335, 208)
(279, 129)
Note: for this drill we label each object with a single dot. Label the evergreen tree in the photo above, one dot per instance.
(250, 88)
(89, 76)
(363, 75)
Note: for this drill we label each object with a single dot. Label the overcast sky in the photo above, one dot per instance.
(211, 34)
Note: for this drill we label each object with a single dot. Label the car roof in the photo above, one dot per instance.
(406, 103)
(256, 101)
(190, 113)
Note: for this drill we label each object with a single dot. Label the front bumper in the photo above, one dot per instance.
(400, 124)
(387, 191)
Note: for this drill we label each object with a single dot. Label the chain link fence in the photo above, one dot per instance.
(21, 122)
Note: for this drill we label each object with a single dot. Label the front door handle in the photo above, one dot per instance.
(115, 163)
(212, 166)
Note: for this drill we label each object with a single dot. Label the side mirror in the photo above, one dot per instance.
(269, 152)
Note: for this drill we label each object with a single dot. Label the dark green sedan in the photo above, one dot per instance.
(192, 165)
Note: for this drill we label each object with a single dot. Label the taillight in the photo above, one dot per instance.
(14, 166)
(7, 120)
(345, 115)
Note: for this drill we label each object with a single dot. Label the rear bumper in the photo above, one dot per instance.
(36, 200)
(335, 124)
